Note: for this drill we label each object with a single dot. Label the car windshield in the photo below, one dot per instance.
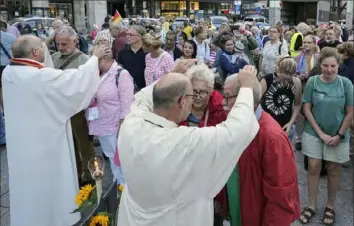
(11, 22)
(218, 20)
(248, 19)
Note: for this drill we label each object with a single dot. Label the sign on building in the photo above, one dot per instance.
(323, 12)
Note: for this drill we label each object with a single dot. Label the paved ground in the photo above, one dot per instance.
(344, 204)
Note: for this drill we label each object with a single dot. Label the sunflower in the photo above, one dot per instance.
(120, 188)
(84, 194)
(100, 220)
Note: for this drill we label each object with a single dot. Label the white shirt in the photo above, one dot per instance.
(173, 173)
(203, 50)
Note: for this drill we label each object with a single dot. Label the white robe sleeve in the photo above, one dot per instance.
(48, 62)
(71, 91)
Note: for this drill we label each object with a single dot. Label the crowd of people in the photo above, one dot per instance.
(205, 121)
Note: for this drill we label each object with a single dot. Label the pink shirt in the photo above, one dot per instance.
(113, 102)
(154, 69)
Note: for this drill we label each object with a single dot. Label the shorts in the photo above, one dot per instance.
(314, 147)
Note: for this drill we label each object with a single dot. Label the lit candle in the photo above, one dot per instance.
(98, 179)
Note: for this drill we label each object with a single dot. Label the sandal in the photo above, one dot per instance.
(307, 213)
(329, 215)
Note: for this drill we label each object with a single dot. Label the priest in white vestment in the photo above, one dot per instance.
(173, 173)
(38, 104)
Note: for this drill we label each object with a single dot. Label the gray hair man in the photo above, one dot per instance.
(271, 158)
(70, 57)
(183, 167)
(38, 103)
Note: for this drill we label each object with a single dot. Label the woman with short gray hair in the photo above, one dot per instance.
(207, 110)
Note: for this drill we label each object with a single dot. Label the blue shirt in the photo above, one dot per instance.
(6, 40)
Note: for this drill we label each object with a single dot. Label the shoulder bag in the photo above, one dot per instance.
(69, 60)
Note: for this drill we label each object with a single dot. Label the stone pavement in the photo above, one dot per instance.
(344, 203)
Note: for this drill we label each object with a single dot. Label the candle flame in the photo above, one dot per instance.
(96, 164)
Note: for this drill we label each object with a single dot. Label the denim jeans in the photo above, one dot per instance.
(108, 145)
(2, 128)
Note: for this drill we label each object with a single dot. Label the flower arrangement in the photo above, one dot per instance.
(101, 219)
(85, 198)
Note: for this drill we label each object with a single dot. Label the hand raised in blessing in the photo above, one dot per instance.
(247, 77)
(181, 66)
(101, 51)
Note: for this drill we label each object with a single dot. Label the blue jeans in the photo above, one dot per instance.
(108, 145)
(2, 128)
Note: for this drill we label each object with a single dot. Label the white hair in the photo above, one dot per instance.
(255, 29)
(257, 89)
(201, 72)
(66, 30)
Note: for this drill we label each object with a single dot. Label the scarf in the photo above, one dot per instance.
(26, 62)
(301, 62)
(233, 188)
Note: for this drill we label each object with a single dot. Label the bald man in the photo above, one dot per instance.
(38, 104)
(173, 173)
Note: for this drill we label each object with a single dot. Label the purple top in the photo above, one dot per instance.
(13, 30)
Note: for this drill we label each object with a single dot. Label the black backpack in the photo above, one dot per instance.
(83, 45)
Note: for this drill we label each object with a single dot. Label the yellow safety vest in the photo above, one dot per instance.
(292, 44)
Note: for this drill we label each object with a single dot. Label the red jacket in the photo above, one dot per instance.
(119, 44)
(268, 179)
(216, 115)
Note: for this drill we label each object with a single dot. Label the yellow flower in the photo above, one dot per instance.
(84, 194)
(100, 220)
(120, 188)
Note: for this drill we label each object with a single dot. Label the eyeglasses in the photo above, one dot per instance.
(200, 93)
(226, 98)
(191, 95)
(273, 31)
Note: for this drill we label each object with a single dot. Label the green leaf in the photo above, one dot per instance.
(85, 205)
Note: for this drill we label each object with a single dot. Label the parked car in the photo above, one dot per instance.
(179, 21)
(217, 21)
(260, 21)
(33, 21)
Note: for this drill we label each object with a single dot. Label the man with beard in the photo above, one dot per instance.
(70, 57)
(38, 104)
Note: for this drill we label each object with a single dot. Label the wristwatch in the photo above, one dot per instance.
(341, 136)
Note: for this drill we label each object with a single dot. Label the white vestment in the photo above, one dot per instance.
(173, 173)
(38, 104)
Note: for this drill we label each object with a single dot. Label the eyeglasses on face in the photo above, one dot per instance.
(226, 98)
(194, 97)
(200, 93)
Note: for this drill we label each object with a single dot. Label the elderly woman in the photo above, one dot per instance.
(158, 61)
(328, 108)
(207, 110)
(109, 108)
